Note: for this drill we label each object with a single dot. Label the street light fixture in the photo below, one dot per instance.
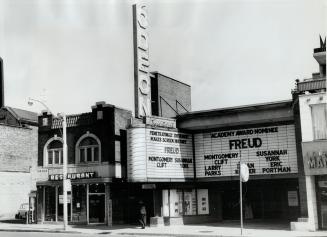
(64, 168)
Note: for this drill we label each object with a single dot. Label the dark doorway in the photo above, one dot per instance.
(138, 197)
(231, 204)
(96, 208)
(262, 199)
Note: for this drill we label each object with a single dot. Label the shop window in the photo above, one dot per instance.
(53, 152)
(319, 121)
(189, 206)
(88, 149)
(176, 203)
(97, 188)
(179, 202)
(50, 204)
(203, 202)
(165, 202)
(60, 206)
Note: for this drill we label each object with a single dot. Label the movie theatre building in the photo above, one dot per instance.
(190, 169)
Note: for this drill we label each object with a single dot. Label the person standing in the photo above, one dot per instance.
(143, 216)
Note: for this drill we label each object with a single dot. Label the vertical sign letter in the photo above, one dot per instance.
(142, 82)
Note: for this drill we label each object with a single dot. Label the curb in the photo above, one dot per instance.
(179, 235)
(41, 231)
(109, 233)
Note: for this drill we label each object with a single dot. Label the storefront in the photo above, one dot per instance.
(315, 164)
(88, 198)
(312, 116)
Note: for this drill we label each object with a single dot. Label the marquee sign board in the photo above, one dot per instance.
(155, 154)
(315, 157)
(160, 122)
(142, 81)
(265, 150)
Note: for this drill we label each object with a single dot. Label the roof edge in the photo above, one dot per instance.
(248, 107)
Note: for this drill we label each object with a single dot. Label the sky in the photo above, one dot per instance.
(73, 53)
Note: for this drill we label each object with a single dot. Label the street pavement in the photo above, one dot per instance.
(205, 230)
(38, 234)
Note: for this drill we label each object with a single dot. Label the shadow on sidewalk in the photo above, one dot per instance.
(13, 221)
(252, 224)
(105, 227)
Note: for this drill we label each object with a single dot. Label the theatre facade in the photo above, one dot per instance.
(190, 166)
(182, 165)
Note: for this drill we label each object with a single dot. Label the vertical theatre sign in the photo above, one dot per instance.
(142, 84)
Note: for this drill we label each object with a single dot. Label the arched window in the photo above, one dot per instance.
(88, 149)
(53, 154)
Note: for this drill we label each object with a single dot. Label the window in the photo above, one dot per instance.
(319, 121)
(117, 160)
(99, 115)
(88, 149)
(45, 121)
(54, 153)
(180, 202)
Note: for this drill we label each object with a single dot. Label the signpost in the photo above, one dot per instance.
(244, 177)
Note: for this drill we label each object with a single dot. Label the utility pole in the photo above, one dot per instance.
(64, 170)
(64, 165)
(241, 198)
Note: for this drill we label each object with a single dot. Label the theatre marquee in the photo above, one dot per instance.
(266, 151)
(159, 155)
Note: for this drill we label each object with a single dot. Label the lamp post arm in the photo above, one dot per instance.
(42, 103)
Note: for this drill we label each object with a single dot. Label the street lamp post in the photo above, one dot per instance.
(64, 167)
(64, 170)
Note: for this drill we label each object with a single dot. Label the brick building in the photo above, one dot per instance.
(96, 144)
(169, 97)
(18, 157)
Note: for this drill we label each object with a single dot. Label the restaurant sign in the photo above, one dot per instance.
(83, 175)
(315, 157)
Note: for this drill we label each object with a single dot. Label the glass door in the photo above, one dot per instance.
(96, 208)
(322, 200)
(97, 205)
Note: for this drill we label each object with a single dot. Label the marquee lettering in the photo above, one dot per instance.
(268, 150)
(142, 82)
(317, 160)
(245, 143)
(83, 175)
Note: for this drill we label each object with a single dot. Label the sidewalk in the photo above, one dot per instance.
(182, 230)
